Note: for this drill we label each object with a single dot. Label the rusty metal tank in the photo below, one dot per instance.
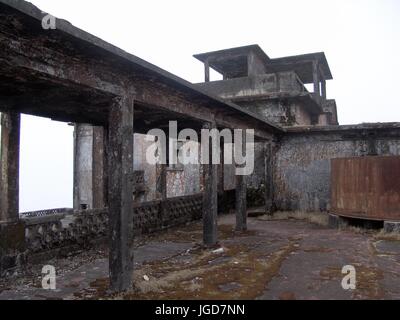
(366, 188)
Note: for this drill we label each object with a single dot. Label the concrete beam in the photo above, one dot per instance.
(120, 192)
(9, 179)
(210, 198)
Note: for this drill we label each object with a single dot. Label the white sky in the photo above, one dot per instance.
(359, 37)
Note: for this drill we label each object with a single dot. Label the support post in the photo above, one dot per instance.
(161, 171)
(241, 195)
(99, 174)
(251, 71)
(83, 166)
(12, 230)
(210, 197)
(316, 80)
(120, 188)
(9, 183)
(268, 177)
(206, 71)
(323, 89)
(221, 181)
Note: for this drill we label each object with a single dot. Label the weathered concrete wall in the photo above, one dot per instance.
(302, 163)
(281, 112)
(256, 85)
(180, 182)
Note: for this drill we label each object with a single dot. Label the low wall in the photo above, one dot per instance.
(59, 232)
(302, 162)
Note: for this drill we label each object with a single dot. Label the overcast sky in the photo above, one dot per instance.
(359, 37)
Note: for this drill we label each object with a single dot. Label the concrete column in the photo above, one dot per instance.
(268, 177)
(241, 196)
(120, 192)
(206, 71)
(316, 80)
(210, 198)
(90, 169)
(9, 183)
(161, 171)
(99, 164)
(221, 181)
(251, 69)
(323, 89)
(83, 166)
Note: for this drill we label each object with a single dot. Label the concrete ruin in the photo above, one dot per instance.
(115, 98)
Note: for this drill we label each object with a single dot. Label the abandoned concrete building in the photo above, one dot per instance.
(114, 98)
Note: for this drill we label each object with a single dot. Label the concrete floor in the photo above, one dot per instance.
(284, 259)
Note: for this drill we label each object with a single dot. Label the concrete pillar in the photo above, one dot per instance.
(161, 171)
(206, 71)
(99, 165)
(316, 80)
(210, 198)
(120, 192)
(83, 166)
(90, 172)
(221, 181)
(268, 177)
(9, 183)
(323, 89)
(241, 196)
(12, 230)
(251, 69)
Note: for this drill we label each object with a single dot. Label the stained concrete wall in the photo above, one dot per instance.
(302, 163)
(272, 83)
(182, 181)
(250, 91)
(281, 112)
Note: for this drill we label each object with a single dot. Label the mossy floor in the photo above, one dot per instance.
(275, 259)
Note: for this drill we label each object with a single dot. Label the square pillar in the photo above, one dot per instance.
(316, 80)
(206, 71)
(90, 169)
(12, 230)
(268, 177)
(210, 198)
(323, 89)
(221, 181)
(161, 172)
(241, 196)
(99, 171)
(120, 192)
(9, 178)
